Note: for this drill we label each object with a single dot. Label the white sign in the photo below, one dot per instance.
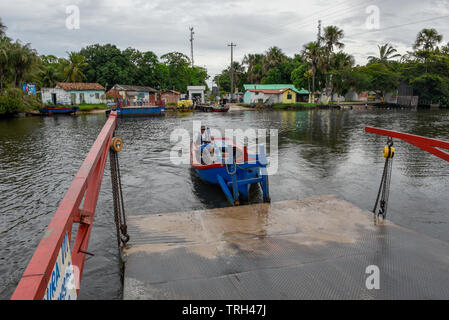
(61, 285)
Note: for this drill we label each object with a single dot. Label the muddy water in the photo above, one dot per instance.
(320, 152)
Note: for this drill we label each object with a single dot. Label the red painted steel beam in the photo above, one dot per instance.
(428, 144)
(34, 281)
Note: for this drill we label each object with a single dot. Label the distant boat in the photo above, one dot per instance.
(138, 111)
(220, 108)
(58, 110)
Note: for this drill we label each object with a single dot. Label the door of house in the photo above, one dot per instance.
(82, 98)
(53, 98)
(73, 98)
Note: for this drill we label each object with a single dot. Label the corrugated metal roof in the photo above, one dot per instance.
(269, 91)
(275, 86)
(125, 87)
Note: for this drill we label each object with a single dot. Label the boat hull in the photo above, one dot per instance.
(211, 173)
(138, 111)
(58, 110)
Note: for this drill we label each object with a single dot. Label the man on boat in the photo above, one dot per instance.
(203, 140)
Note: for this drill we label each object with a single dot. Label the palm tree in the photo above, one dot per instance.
(341, 60)
(22, 59)
(73, 72)
(2, 28)
(254, 63)
(332, 36)
(427, 39)
(4, 59)
(49, 76)
(386, 53)
(273, 58)
(313, 55)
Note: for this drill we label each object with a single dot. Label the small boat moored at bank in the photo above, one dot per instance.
(138, 111)
(50, 110)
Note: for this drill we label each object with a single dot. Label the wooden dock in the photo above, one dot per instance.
(315, 248)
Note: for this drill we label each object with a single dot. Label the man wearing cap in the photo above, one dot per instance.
(203, 140)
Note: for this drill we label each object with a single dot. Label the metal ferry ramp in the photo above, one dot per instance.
(315, 248)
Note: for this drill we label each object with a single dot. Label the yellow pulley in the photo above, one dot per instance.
(117, 144)
(389, 152)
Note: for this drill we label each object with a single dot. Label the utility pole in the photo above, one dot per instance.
(191, 43)
(232, 45)
(319, 32)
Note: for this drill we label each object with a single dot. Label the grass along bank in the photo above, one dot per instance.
(92, 107)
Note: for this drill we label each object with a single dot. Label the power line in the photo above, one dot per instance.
(398, 26)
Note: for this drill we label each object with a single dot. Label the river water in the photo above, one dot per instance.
(320, 152)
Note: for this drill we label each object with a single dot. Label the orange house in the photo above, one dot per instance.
(170, 96)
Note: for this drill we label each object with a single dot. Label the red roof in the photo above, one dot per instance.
(79, 86)
(269, 90)
(172, 91)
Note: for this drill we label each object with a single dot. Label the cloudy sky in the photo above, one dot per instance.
(254, 25)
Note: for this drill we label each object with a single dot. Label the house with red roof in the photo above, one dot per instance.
(273, 93)
(74, 93)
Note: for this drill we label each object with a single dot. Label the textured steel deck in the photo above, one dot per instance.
(315, 248)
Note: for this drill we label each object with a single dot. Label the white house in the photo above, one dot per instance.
(74, 93)
(195, 91)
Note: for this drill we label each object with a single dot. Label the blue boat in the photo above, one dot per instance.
(138, 111)
(233, 169)
(58, 110)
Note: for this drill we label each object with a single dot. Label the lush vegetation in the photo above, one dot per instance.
(104, 64)
(323, 67)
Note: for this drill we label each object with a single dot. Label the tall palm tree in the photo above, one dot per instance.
(332, 38)
(73, 72)
(2, 28)
(427, 39)
(386, 53)
(312, 53)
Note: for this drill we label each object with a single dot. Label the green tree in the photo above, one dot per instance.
(427, 39)
(273, 76)
(2, 29)
(312, 53)
(5, 46)
(386, 53)
(273, 58)
(22, 58)
(299, 78)
(73, 72)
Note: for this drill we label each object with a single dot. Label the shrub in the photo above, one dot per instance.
(9, 104)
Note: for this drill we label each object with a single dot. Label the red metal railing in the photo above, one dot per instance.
(85, 186)
(428, 144)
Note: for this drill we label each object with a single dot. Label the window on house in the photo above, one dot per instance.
(97, 96)
(257, 93)
(289, 96)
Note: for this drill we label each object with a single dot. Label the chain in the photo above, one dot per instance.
(117, 194)
(384, 189)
